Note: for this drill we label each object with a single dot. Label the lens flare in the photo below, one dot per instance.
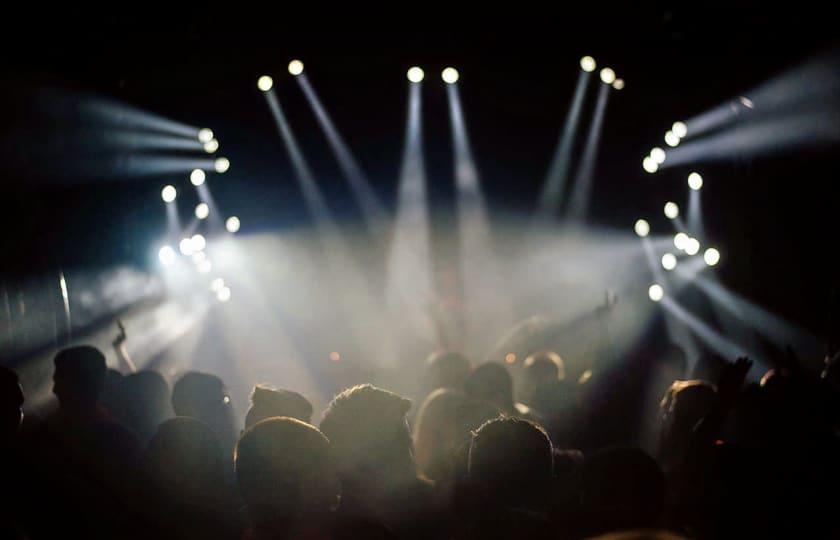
(692, 247)
(669, 261)
(205, 135)
(607, 75)
(197, 242)
(265, 83)
(658, 155)
(711, 256)
(695, 181)
(655, 292)
(221, 165)
(232, 224)
(450, 75)
(202, 211)
(295, 67)
(211, 146)
(415, 74)
(197, 177)
(587, 64)
(681, 241)
(680, 129)
(649, 165)
(168, 194)
(671, 139)
(618, 84)
(642, 228)
(671, 210)
(186, 247)
(167, 256)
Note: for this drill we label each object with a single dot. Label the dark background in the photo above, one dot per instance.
(773, 217)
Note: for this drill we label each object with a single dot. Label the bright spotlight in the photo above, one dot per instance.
(168, 194)
(607, 75)
(695, 181)
(681, 241)
(655, 292)
(197, 177)
(205, 266)
(450, 75)
(642, 228)
(671, 210)
(221, 164)
(223, 295)
(265, 83)
(198, 242)
(650, 165)
(415, 74)
(658, 155)
(680, 129)
(217, 285)
(587, 64)
(202, 211)
(205, 135)
(167, 256)
(711, 256)
(232, 224)
(669, 261)
(198, 257)
(671, 139)
(186, 247)
(211, 146)
(618, 84)
(692, 247)
(295, 67)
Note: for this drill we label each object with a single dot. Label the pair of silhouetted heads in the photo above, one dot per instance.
(79, 378)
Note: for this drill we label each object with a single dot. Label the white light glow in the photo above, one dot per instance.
(295, 67)
(680, 129)
(587, 64)
(232, 224)
(671, 139)
(711, 256)
(221, 164)
(205, 135)
(265, 83)
(205, 266)
(692, 247)
(223, 295)
(202, 211)
(671, 210)
(199, 257)
(658, 155)
(695, 181)
(681, 241)
(450, 75)
(168, 194)
(618, 84)
(669, 261)
(167, 256)
(607, 75)
(642, 228)
(211, 146)
(185, 246)
(650, 165)
(217, 285)
(655, 292)
(415, 74)
(197, 177)
(198, 242)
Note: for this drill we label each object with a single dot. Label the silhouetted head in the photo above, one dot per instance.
(491, 382)
(184, 459)
(79, 377)
(446, 370)
(621, 488)
(285, 472)
(683, 405)
(267, 402)
(511, 462)
(369, 434)
(545, 366)
(204, 396)
(11, 403)
(146, 402)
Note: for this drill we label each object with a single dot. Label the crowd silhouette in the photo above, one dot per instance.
(488, 452)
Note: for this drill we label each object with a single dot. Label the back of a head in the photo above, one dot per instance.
(367, 429)
(285, 470)
(11, 402)
(446, 370)
(544, 367)
(511, 461)
(147, 401)
(491, 382)
(185, 459)
(195, 391)
(80, 374)
(267, 402)
(621, 489)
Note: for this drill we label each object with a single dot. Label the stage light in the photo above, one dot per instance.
(197, 177)
(211, 146)
(607, 75)
(205, 135)
(185, 246)
(695, 181)
(669, 261)
(692, 247)
(335, 357)
(642, 228)
(587, 64)
(618, 84)
(415, 74)
(655, 292)
(450, 75)
(295, 67)
(671, 210)
(199, 257)
(650, 165)
(658, 155)
(217, 285)
(711, 256)
(198, 242)
(167, 256)
(510, 358)
(168, 193)
(746, 102)
(205, 266)
(681, 241)
(202, 211)
(671, 139)
(265, 83)
(221, 164)
(224, 294)
(680, 129)
(232, 224)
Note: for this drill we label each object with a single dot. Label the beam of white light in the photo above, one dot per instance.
(480, 272)
(582, 189)
(173, 222)
(372, 210)
(151, 165)
(408, 290)
(132, 141)
(695, 215)
(558, 172)
(126, 117)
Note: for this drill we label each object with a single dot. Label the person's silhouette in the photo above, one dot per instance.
(267, 402)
